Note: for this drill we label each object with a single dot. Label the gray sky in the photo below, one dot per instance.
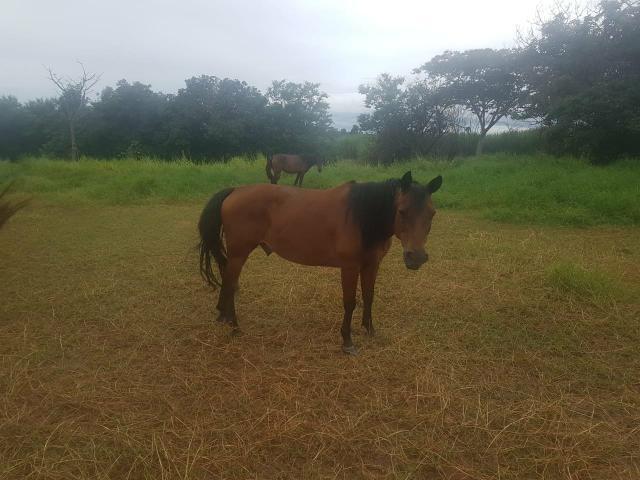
(338, 43)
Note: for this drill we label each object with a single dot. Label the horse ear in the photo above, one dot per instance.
(406, 181)
(434, 184)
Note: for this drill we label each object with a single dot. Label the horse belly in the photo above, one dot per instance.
(307, 243)
(309, 258)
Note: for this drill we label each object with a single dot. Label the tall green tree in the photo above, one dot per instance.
(389, 118)
(407, 119)
(583, 74)
(47, 130)
(126, 121)
(488, 83)
(33, 128)
(13, 128)
(216, 118)
(237, 122)
(298, 117)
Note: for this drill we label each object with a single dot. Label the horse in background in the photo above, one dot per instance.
(348, 227)
(298, 164)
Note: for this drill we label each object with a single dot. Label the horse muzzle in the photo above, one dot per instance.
(413, 260)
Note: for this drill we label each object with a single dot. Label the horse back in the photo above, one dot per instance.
(271, 200)
(289, 163)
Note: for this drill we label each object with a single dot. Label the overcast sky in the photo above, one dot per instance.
(339, 43)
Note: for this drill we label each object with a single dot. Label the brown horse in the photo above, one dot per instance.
(299, 164)
(349, 227)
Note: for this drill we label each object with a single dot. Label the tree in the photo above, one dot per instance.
(389, 120)
(13, 126)
(46, 131)
(126, 121)
(237, 124)
(387, 98)
(583, 76)
(298, 117)
(73, 97)
(431, 114)
(30, 129)
(406, 119)
(486, 82)
(219, 118)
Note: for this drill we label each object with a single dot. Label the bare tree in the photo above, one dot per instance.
(73, 97)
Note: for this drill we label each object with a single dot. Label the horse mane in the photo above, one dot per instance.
(373, 210)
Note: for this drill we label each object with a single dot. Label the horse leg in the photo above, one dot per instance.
(295, 183)
(301, 178)
(226, 301)
(368, 276)
(349, 286)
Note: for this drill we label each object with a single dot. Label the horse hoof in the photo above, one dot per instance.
(236, 332)
(368, 330)
(352, 350)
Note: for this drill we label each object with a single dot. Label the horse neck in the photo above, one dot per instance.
(309, 162)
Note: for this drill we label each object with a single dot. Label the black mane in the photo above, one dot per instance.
(372, 208)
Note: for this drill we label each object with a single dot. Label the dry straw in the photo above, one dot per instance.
(112, 368)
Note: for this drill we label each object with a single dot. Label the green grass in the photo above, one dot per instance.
(594, 285)
(515, 189)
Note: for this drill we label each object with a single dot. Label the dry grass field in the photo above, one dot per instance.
(513, 354)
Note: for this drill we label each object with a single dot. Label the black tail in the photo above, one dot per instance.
(269, 168)
(210, 226)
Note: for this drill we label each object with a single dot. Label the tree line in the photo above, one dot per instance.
(576, 75)
(210, 118)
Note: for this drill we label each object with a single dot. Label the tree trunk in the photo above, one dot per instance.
(480, 144)
(74, 145)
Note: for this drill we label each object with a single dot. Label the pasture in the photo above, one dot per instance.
(513, 353)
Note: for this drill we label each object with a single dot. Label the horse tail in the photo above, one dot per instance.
(210, 227)
(269, 168)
